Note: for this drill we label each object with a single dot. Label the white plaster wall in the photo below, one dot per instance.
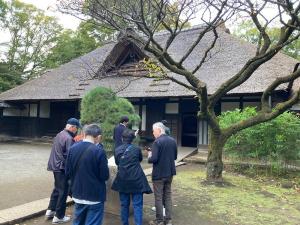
(229, 106)
(44, 109)
(11, 112)
(172, 108)
(33, 110)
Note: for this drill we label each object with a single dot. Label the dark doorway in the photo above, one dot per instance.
(172, 123)
(155, 113)
(60, 112)
(189, 130)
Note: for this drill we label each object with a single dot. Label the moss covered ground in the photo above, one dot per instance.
(241, 201)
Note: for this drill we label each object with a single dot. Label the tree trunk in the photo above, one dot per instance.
(214, 159)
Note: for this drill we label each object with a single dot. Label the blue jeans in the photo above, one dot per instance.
(88, 214)
(137, 202)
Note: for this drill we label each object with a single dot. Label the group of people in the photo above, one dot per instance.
(81, 170)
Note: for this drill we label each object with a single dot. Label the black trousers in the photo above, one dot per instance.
(59, 195)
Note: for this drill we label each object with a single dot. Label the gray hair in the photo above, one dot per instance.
(92, 130)
(68, 126)
(160, 126)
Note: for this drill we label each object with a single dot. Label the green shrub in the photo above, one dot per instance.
(103, 107)
(276, 140)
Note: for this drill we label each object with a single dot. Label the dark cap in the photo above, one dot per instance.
(124, 119)
(74, 122)
(164, 122)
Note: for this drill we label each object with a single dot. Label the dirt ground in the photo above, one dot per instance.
(24, 176)
(242, 201)
(245, 201)
(185, 211)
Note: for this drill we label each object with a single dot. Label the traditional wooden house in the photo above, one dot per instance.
(41, 106)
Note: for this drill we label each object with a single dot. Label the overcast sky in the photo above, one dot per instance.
(68, 21)
(50, 8)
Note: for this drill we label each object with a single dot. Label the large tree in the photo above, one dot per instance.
(149, 15)
(72, 44)
(32, 34)
(3, 8)
(247, 31)
(8, 78)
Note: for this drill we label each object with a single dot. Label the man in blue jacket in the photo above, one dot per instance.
(88, 170)
(162, 156)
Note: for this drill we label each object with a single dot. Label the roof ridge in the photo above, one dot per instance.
(192, 28)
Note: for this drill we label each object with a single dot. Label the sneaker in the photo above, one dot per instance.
(154, 210)
(154, 222)
(49, 214)
(169, 222)
(63, 220)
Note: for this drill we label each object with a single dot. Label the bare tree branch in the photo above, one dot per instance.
(250, 67)
(207, 51)
(275, 84)
(262, 29)
(208, 28)
(148, 16)
(262, 116)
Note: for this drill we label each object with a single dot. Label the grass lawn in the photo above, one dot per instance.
(244, 201)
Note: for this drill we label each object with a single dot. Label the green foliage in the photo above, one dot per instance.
(32, 34)
(37, 42)
(72, 44)
(154, 69)
(3, 9)
(248, 32)
(277, 139)
(103, 107)
(8, 78)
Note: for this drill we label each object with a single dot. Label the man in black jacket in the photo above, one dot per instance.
(118, 130)
(60, 149)
(130, 181)
(88, 170)
(162, 156)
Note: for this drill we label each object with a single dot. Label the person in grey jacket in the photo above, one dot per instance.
(60, 149)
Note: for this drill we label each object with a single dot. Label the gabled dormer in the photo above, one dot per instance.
(124, 59)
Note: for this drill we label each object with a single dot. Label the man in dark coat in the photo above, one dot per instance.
(130, 180)
(118, 130)
(162, 156)
(60, 148)
(88, 170)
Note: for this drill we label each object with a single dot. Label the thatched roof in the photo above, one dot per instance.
(72, 80)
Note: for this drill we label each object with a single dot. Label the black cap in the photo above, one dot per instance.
(74, 122)
(124, 119)
(164, 122)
